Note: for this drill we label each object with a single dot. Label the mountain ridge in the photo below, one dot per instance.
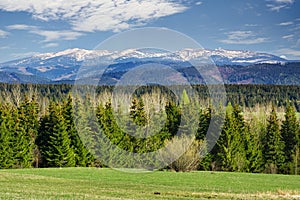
(64, 65)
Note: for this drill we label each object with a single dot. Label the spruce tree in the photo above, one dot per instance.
(54, 140)
(81, 153)
(87, 127)
(173, 117)
(231, 144)
(26, 129)
(273, 145)
(253, 148)
(204, 121)
(137, 112)
(6, 145)
(289, 132)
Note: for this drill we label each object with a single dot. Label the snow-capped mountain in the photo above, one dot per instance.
(232, 57)
(64, 65)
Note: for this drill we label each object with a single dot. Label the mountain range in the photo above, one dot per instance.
(236, 67)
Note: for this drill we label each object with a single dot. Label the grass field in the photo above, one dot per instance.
(93, 183)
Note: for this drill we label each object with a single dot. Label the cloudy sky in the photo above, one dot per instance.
(29, 27)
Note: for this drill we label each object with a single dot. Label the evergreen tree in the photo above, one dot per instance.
(204, 121)
(185, 100)
(253, 147)
(81, 153)
(273, 145)
(231, 144)
(6, 150)
(54, 141)
(87, 126)
(137, 112)
(173, 117)
(26, 129)
(289, 132)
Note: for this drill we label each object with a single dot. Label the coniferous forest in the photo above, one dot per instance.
(39, 127)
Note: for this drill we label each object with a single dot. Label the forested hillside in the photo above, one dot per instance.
(39, 127)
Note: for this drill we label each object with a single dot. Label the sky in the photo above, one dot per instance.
(29, 27)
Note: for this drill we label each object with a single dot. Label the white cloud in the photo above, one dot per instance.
(57, 35)
(93, 15)
(284, 1)
(49, 35)
(286, 23)
(20, 27)
(243, 37)
(49, 45)
(198, 3)
(288, 37)
(277, 5)
(3, 34)
(273, 7)
(251, 25)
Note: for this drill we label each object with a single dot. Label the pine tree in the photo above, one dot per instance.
(87, 126)
(26, 132)
(81, 153)
(231, 144)
(253, 147)
(43, 137)
(273, 145)
(185, 100)
(173, 117)
(54, 141)
(6, 150)
(137, 112)
(204, 121)
(289, 132)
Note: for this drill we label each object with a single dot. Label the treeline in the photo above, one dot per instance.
(244, 95)
(66, 132)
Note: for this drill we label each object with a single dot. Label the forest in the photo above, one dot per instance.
(46, 126)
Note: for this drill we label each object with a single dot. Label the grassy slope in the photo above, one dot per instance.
(92, 183)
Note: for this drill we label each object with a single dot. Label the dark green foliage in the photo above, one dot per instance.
(253, 150)
(81, 153)
(173, 117)
(273, 149)
(54, 140)
(231, 144)
(204, 121)
(290, 133)
(6, 136)
(26, 133)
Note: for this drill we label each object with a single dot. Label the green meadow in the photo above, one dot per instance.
(103, 183)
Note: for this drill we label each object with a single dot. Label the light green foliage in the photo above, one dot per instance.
(185, 100)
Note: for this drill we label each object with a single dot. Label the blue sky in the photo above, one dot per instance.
(29, 27)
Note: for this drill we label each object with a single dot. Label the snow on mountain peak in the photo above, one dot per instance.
(219, 56)
(78, 54)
